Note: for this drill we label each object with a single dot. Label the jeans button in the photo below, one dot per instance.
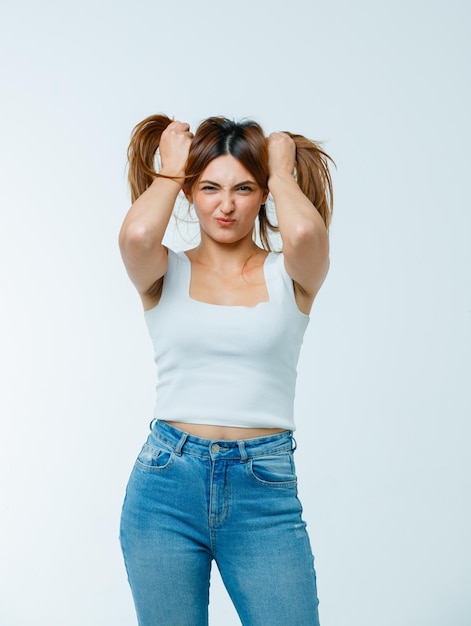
(215, 448)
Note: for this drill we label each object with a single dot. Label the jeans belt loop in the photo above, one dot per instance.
(181, 443)
(244, 457)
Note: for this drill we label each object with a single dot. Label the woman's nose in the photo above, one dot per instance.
(227, 204)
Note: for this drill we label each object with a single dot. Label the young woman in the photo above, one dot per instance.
(216, 479)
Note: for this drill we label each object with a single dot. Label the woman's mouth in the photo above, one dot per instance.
(225, 221)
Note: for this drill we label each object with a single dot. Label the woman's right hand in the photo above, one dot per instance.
(174, 147)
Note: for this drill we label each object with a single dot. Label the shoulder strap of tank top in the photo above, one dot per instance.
(279, 282)
(178, 275)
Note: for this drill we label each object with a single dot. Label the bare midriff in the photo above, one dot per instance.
(225, 433)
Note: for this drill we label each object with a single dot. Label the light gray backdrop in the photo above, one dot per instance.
(383, 401)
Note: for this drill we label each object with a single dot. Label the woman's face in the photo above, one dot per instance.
(227, 200)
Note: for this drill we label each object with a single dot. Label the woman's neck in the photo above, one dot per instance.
(233, 255)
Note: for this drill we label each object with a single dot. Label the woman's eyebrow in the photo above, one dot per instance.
(214, 184)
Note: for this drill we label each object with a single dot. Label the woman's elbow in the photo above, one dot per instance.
(303, 234)
(134, 238)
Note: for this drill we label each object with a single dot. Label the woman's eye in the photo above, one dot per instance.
(208, 188)
(245, 188)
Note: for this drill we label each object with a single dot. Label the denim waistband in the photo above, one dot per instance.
(180, 441)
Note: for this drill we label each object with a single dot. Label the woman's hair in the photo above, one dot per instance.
(246, 141)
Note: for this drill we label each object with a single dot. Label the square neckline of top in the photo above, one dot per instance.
(231, 306)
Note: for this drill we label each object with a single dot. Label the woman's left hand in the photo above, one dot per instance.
(281, 154)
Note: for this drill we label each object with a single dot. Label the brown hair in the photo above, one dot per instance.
(246, 142)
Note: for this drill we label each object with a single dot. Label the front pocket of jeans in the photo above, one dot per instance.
(153, 459)
(276, 470)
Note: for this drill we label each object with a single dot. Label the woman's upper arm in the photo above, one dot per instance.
(145, 262)
(307, 263)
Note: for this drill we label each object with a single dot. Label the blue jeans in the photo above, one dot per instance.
(191, 500)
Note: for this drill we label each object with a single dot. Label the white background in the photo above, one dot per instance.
(383, 401)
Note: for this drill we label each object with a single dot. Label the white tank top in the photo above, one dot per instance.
(226, 365)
